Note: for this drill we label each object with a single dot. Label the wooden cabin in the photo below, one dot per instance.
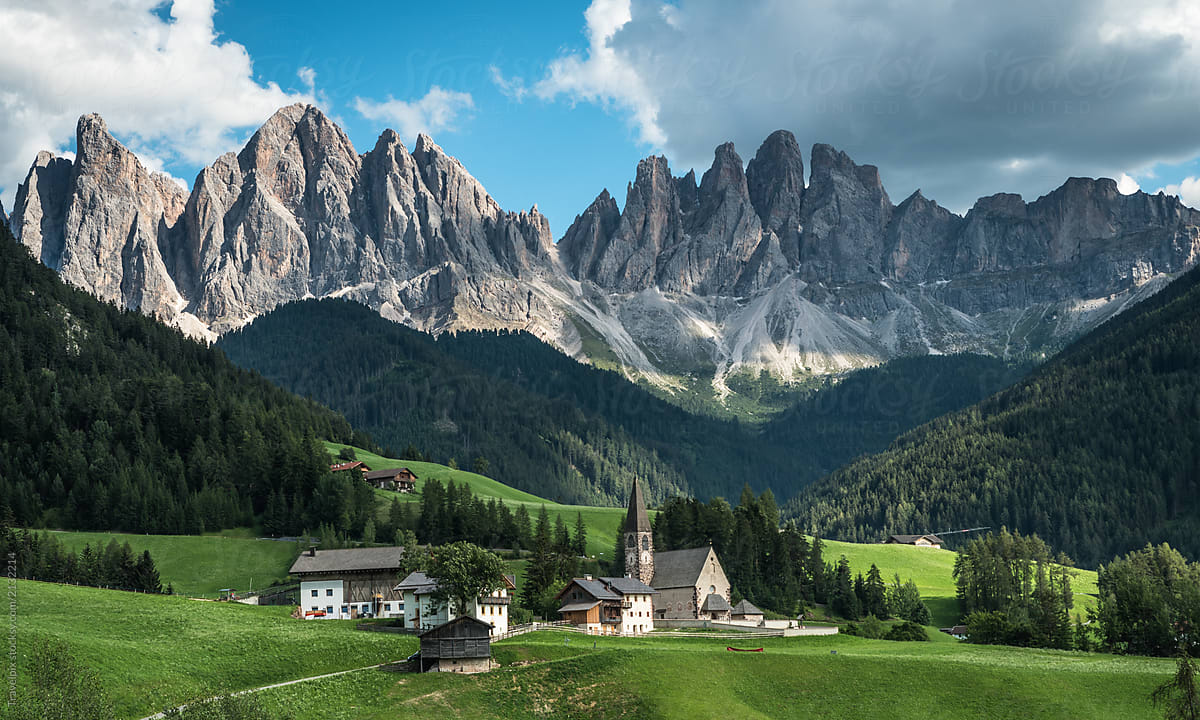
(394, 479)
(929, 541)
(463, 645)
(358, 465)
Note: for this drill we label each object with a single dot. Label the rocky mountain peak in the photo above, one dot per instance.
(775, 181)
(845, 216)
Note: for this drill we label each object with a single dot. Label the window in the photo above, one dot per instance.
(387, 606)
(328, 592)
(646, 542)
(315, 608)
(345, 610)
(329, 610)
(365, 608)
(630, 541)
(712, 589)
(314, 594)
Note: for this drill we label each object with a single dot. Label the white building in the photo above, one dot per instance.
(608, 606)
(424, 612)
(348, 584)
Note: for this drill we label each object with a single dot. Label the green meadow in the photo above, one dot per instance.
(199, 566)
(553, 675)
(933, 572)
(601, 522)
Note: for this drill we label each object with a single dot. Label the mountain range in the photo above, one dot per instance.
(749, 268)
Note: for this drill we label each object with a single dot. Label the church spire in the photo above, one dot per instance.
(636, 520)
(639, 538)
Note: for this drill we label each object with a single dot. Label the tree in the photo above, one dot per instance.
(1179, 697)
(480, 465)
(63, 688)
(580, 540)
(875, 594)
(843, 600)
(414, 557)
(464, 572)
(368, 533)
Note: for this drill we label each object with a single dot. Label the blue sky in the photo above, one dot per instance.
(550, 102)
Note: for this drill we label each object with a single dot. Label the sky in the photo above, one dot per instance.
(547, 103)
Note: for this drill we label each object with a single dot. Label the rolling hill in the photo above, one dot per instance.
(571, 432)
(1096, 451)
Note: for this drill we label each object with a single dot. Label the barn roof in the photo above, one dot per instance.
(349, 466)
(462, 626)
(578, 607)
(679, 568)
(388, 473)
(353, 560)
(715, 602)
(910, 539)
(636, 520)
(745, 607)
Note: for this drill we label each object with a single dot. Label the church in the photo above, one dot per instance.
(691, 583)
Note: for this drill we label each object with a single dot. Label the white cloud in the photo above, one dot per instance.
(604, 75)
(1188, 191)
(439, 110)
(175, 91)
(938, 94)
(1126, 185)
(308, 76)
(512, 87)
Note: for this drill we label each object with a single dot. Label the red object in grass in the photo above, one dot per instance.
(733, 649)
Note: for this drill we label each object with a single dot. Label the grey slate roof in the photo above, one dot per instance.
(418, 583)
(636, 520)
(579, 606)
(715, 602)
(745, 607)
(678, 568)
(596, 589)
(353, 560)
(421, 584)
(629, 586)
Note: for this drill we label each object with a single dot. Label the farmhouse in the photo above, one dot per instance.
(608, 606)
(358, 465)
(745, 611)
(463, 645)
(397, 479)
(349, 583)
(691, 583)
(929, 541)
(425, 612)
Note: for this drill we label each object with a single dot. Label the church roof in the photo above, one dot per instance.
(715, 602)
(678, 568)
(745, 607)
(636, 520)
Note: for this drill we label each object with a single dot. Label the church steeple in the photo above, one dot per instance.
(639, 538)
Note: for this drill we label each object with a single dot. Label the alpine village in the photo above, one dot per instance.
(298, 421)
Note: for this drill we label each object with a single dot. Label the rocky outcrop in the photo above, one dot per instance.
(845, 215)
(745, 269)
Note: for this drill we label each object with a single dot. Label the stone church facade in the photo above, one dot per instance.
(691, 583)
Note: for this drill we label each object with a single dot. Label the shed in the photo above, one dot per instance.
(463, 645)
(746, 611)
(929, 541)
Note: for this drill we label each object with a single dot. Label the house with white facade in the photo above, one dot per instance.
(608, 606)
(425, 612)
(349, 584)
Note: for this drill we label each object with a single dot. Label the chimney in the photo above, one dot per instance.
(587, 577)
(312, 550)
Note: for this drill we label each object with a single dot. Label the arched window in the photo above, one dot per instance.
(630, 541)
(646, 542)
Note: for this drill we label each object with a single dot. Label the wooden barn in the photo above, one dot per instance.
(396, 479)
(463, 645)
(358, 465)
(929, 541)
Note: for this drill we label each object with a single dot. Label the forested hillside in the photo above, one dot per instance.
(112, 421)
(571, 432)
(1098, 451)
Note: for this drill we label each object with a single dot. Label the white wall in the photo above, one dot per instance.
(640, 617)
(323, 595)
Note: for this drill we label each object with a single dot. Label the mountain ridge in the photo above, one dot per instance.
(749, 268)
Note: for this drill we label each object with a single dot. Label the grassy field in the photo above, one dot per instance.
(154, 651)
(933, 572)
(542, 677)
(200, 566)
(601, 522)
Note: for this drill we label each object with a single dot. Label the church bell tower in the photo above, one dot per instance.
(639, 538)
